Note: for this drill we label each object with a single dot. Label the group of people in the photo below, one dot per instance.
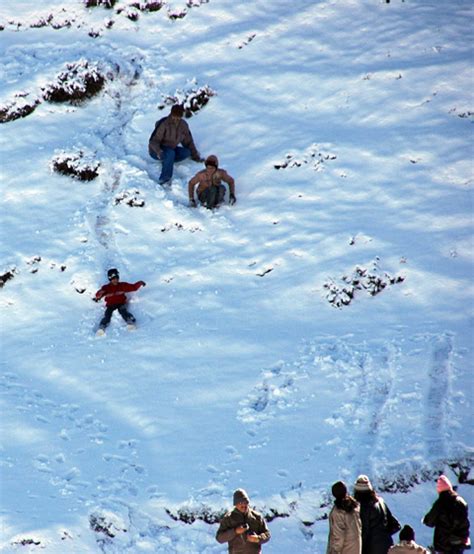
(359, 524)
(363, 523)
(172, 142)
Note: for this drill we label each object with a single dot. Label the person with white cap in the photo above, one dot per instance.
(449, 516)
(243, 528)
(378, 523)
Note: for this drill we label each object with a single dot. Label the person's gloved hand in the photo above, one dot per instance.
(192, 203)
(95, 299)
(232, 199)
(142, 283)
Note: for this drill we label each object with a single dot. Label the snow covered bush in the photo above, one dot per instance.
(130, 197)
(105, 3)
(79, 165)
(192, 100)
(150, 6)
(373, 281)
(312, 155)
(20, 106)
(79, 81)
(7, 276)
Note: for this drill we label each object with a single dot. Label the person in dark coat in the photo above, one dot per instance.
(115, 299)
(244, 529)
(378, 523)
(449, 516)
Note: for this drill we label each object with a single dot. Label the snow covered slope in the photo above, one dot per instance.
(318, 329)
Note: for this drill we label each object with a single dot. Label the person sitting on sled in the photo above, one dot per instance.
(116, 299)
(210, 190)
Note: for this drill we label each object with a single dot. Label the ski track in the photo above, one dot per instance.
(438, 397)
(376, 407)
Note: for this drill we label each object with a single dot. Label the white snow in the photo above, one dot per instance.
(241, 372)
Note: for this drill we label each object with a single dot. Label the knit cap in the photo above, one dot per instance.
(240, 496)
(407, 533)
(339, 490)
(177, 110)
(363, 484)
(212, 160)
(443, 484)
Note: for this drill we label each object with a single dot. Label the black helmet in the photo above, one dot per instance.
(112, 273)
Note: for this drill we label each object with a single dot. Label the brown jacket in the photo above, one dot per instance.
(238, 544)
(210, 176)
(407, 547)
(345, 531)
(171, 134)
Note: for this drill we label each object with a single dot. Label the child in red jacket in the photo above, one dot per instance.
(116, 299)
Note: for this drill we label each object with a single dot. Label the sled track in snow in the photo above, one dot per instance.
(438, 397)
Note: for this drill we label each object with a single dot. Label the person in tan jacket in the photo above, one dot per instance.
(164, 142)
(210, 190)
(407, 544)
(345, 528)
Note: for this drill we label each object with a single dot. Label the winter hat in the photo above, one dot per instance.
(407, 533)
(363, 484)
(212, 160)
(443, 484)
(177, 110)
(112, 273)
(240, 496)
(339, 490)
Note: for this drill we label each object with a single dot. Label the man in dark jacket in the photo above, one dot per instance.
(164, 142)
(116, 299)
(378, 522)
(449, 517)
(243, 528)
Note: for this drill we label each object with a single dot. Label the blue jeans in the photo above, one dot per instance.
(168, 157)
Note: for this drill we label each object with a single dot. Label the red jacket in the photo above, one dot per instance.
(115, 294)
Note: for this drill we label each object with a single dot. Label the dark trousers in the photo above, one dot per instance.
(122, 310)
(212, 196)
